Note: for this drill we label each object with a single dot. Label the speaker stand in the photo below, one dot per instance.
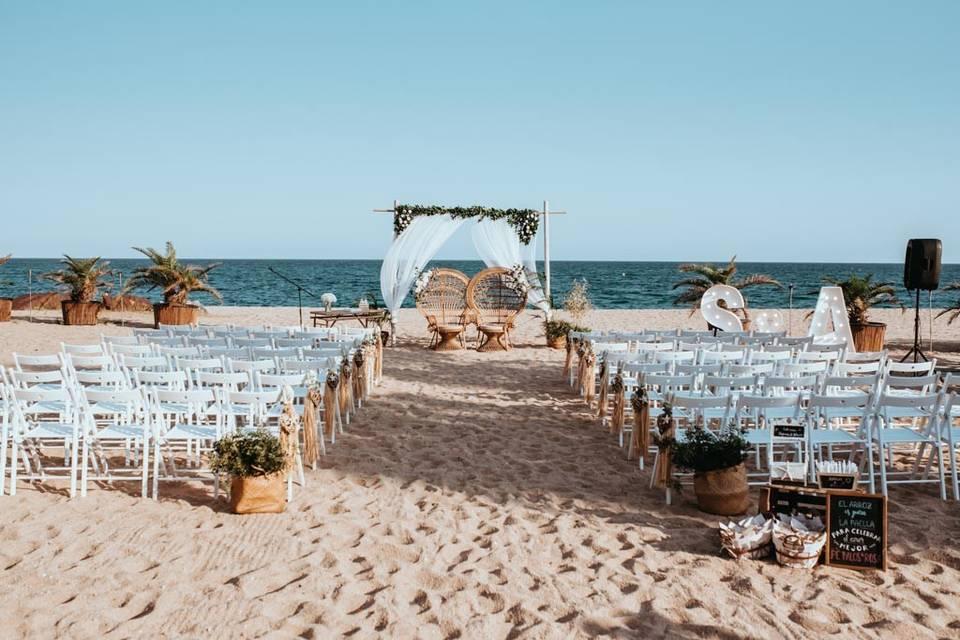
(915, 350)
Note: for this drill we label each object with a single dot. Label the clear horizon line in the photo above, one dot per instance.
(15, 258)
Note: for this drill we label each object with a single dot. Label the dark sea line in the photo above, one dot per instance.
(612, 285)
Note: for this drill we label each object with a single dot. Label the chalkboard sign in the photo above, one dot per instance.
(789, 430)
(847, 481)
(856, 530)
(790, 501)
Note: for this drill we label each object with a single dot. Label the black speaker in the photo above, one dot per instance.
(921, 268)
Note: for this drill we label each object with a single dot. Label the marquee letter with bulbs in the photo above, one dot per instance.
(830, 322)
(714, 314)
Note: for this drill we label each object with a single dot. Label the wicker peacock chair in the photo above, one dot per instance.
(444, 304)
(492, 294)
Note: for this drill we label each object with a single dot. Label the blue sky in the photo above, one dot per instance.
(813, 131)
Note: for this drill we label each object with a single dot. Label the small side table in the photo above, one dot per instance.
(493, 335)
(449, 337)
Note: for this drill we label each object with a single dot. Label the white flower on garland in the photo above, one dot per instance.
(517, 280)
(420, 284)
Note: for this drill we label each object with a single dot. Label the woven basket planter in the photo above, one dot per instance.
(557, 343)
(6, 308)
(258, 494)
(79, 313)
(723, 492)
(869, 336)
(175, 314)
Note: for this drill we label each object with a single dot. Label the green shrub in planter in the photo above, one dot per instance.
(256, 462)
(251, 453)
(720, 479)
(556, 332)
(704, 450)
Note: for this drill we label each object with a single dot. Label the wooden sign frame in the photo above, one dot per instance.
(862, 496)
(791, 428)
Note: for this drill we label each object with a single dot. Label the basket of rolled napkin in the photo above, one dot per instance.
(747, 538)
(798, 540)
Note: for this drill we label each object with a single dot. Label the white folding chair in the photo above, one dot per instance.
(35, 429)
(252, 367)
(823, 432)
(228, 381)
(761, 411)
(168, 380)
(130, 350)
(45, 362)
(102, 379)
(949, 432)
(115, 420)
(82, 349)
(144, 363)
(912, 421)
(189, 421)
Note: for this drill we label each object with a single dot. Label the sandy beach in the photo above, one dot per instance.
(474, 497)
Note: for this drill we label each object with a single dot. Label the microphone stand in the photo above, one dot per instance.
(300, 290)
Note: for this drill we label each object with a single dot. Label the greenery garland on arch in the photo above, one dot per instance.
(524, 221)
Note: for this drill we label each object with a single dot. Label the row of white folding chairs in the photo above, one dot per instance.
(845, 412)
(77, 418)
(251, 331)
(838, 362)
(287, 361)
(242, 348)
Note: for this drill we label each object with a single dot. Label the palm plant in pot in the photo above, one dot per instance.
(707, 275)
(719, 475)
(82, 278)
(256, 463)
(6, 304)
(861, 293)
(176, 281)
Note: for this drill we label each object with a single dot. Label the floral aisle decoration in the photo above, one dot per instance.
(618, 388)
(641, 425)
(524, 221)
(331, 402)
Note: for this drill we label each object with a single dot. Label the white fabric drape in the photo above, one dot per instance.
(410, 253)
(499, 246)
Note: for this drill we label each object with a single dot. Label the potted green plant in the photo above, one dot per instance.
(6, 304)
(82, 278)
(255, 462)
(719, 476)
(861, 293)
(176, 281)
(557, 331)
(708, 275)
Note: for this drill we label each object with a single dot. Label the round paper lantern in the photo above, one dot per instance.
(769, 320)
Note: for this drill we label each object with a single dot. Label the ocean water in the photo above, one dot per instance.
(612, 285)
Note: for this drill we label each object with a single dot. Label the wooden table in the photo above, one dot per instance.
(365, 318)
